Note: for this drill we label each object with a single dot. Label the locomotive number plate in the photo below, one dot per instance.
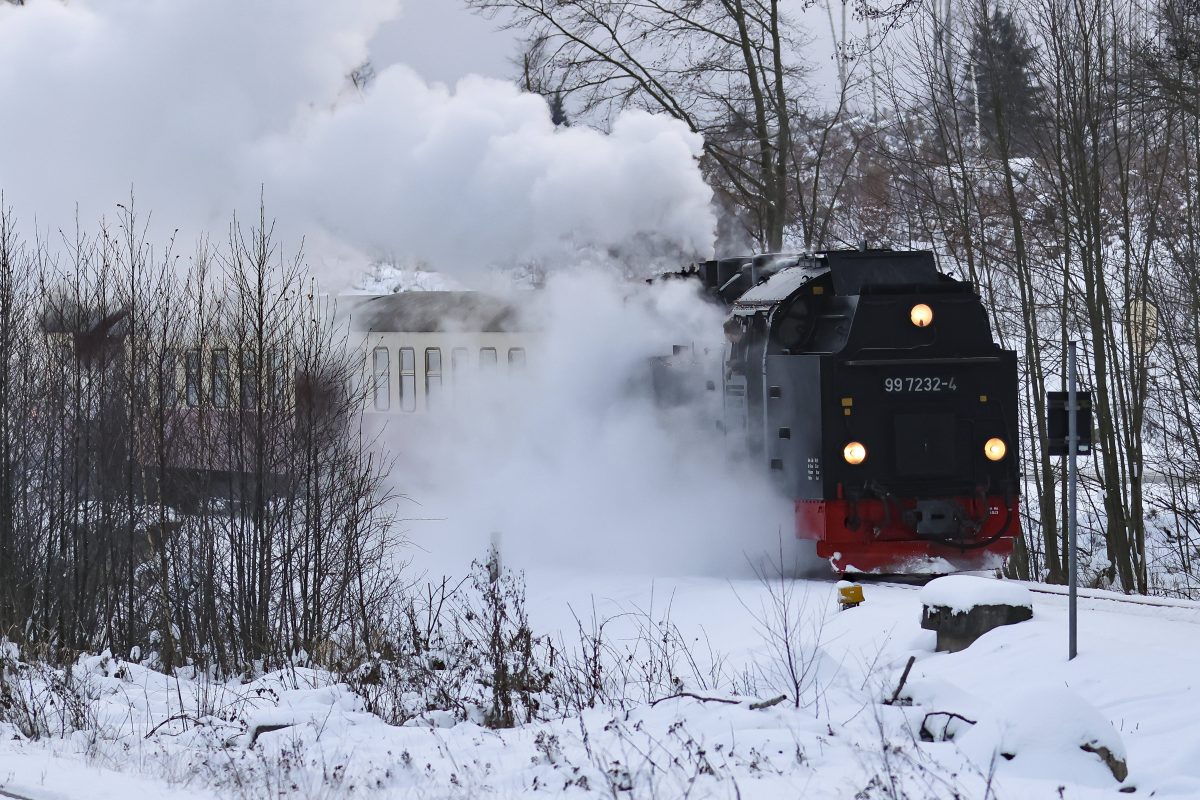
(922, 384)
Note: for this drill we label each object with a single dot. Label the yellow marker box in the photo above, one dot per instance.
(850, 595)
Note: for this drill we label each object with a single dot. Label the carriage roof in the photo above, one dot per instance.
(431, 312)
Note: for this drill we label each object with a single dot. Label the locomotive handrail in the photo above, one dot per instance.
(884, 362)
(951, 287)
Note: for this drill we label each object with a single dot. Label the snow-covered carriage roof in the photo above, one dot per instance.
(430, 312)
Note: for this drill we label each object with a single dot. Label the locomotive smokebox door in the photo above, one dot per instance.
(925, 444)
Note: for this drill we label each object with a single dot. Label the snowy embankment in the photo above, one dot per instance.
(1014, 711)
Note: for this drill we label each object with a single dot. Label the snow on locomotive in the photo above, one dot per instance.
(869, 385)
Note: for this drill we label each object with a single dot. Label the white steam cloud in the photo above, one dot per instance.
(467, 177)
(200, 105)
(576, 465)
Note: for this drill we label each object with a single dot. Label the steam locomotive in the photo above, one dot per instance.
(866, 383)
(869, 385)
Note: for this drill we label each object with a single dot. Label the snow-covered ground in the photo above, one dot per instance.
(1132, 690)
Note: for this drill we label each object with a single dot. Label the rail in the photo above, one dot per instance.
(1115, 597)
(916, 582)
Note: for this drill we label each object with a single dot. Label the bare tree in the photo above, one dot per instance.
(181, 455)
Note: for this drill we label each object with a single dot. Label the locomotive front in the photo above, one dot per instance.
(871, 387)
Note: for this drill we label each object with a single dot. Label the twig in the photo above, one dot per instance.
(175, 718)
(949, 715)
(903, 679)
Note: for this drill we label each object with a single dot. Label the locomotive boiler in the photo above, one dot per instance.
(870, 387)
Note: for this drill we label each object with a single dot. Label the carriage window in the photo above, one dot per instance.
(487, 358)
(248, 381)
(220, 378)
(433, 373)
(459, 361)
(382, 371)
(408, 379)
(516, 358)
(191, 378)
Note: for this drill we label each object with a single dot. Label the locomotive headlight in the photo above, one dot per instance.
(995, 449)
(921, 315)
(854, 453)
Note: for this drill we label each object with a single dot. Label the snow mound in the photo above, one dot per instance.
(935, 693)
(964, 592)
(324, 707)
(1049, 732)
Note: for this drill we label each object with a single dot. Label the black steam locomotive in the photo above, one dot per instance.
(869, 385)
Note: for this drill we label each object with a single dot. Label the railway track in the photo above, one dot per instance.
(915, 582)
(1114, 597)
(1170, 608)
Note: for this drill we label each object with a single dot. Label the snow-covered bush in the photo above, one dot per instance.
(460, 652)
(38, 700)
(466, 652)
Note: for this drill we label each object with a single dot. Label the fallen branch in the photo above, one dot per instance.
(757, 705)
(696, 697)
(761, 704)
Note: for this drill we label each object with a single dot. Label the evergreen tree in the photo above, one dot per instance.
(1172, 57)
(1007, 100)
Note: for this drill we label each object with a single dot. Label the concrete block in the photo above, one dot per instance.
(958, 629)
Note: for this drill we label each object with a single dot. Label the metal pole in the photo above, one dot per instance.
(1072, 481)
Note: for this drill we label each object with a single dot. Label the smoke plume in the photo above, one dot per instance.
(201, 107)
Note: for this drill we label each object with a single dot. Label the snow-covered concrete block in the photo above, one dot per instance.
(961, 608)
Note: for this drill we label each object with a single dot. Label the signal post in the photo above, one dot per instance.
(1069, 433)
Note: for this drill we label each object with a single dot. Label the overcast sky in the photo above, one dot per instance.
(444, 41)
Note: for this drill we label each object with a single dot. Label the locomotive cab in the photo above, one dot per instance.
(870, 386)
